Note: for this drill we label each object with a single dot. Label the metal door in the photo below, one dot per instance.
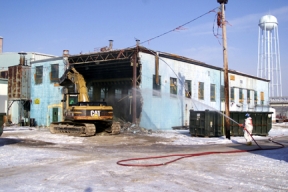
(55, 115)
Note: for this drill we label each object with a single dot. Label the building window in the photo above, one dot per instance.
(248, 96)
(240, 95)
(262, 97)
(232, 97)
(201, 90)
(188, 88)
(54, 75)
(104, 93)
(90, 92)
(39, 75)
(156, 86)
(118, 93)
(212, 92)
(173, 86)
(255, 97)
(4, 74)
(222, 93)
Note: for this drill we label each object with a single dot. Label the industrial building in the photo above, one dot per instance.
(16, 94)
(153, 89)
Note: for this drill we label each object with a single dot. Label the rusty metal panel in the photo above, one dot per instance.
(19, 82)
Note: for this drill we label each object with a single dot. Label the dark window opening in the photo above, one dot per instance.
(201, 90)
(188, 88)
(212, 92)
(157, 86)
(4, 74)
(39, 75)
(54, 76)
(173, 86)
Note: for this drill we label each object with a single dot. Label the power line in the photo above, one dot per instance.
(180, 27)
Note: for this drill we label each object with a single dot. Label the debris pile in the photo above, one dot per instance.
(127, 127)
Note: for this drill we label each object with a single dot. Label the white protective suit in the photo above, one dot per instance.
(248, 127)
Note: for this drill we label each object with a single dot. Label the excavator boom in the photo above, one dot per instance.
(82, 116)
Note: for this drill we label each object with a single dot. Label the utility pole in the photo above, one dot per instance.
(225, 60)
(134, 85)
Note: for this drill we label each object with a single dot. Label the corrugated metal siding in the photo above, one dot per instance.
(18, 82)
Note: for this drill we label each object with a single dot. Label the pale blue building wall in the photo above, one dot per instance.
(48, 93)
(167, 111)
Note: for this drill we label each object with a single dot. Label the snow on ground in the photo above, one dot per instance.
(182, 137)
(178, 137)
(78, 164)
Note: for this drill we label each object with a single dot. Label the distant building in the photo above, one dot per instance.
(168, 86)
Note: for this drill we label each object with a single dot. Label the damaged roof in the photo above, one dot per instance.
(111, 64)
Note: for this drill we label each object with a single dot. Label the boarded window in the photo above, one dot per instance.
(201, 90)
(232, 77)
(222, 93)
(232, 97)
(156, 86)
(255, 97)
(262, 97)
(248, 96)
(241, 95)
(173, 86)
(212, 92)
(39, 75)
(54, 76)
(188, 88)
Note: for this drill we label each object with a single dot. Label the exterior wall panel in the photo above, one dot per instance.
(47, 95)
(167, 111)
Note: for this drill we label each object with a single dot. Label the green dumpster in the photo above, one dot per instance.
(211, 123)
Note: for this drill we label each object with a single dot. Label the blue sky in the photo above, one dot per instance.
(51, 26)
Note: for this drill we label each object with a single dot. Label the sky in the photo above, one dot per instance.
(85, 26)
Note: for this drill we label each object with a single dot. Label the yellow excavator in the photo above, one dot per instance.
(82, 117)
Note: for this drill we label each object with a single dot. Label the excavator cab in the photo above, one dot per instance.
(72, 99)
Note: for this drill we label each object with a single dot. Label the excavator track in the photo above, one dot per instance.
(73, 128)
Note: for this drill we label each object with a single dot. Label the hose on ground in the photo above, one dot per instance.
(182, 156)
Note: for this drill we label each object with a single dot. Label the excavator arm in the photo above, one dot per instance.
(78, 80)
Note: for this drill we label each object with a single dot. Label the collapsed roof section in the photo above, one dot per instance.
(116, 64)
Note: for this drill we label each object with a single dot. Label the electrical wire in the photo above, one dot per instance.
(180, 27)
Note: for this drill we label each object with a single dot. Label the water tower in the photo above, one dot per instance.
(269, 54)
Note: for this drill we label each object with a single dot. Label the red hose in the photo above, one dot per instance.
(182, 156)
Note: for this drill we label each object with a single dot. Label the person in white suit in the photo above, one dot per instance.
(248, 127)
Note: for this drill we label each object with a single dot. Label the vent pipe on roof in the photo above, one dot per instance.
(137, 42)
(1, 44)
(22, 58)
(65, 53)
(110, 44)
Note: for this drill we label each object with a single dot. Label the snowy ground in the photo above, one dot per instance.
(32, 159)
